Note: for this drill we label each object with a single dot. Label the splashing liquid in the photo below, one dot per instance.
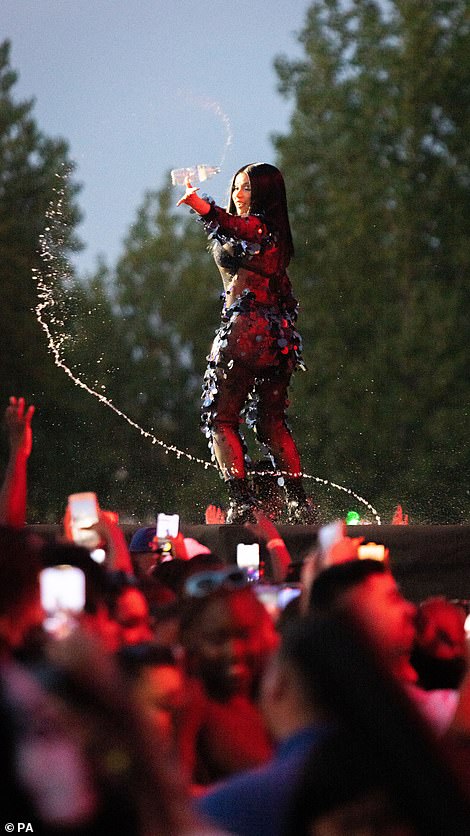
(201, 172)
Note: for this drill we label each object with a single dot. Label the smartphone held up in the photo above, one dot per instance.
(167, 526)
(63, 593)
(83, 510)
(248, 559)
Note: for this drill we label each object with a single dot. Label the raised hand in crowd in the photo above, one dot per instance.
(108, 536)
(13, 493)
(334, 546)
(117, 553)
(214, 515)
(178, 546)
(399, 518)
(346, 548)
(265, 531)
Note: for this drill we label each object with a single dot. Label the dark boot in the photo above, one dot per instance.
(300, 508)
(242, 502)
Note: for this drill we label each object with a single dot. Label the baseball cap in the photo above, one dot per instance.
(144, 540)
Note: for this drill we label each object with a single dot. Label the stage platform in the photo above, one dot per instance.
(425, 559)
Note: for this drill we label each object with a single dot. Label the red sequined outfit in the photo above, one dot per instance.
(256, 347)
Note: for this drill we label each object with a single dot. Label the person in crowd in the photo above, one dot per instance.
(79, 757)
(374, 592)
(116, 610)
(355, 752)
(130, 609)
(21, 612)
(147, 550)
(257, 346)
(255, 802)
(170, 576)
(227, 635)
(126, 603)
(439, 655)
(381, 770)
(369, 587)
(44, 774)
(157, 684)
(213, 515)
(96, 618)
(458, 734)
(110, 537)
(166, 592)
(265, 531)
(140, 784)
(13, 492)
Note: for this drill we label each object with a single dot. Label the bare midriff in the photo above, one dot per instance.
(247, 280)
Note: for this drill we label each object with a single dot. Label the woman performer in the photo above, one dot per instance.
(257, 347)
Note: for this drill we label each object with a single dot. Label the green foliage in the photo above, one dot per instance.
(377, 166)
(29, 163)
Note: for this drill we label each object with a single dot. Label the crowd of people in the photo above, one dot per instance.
(174, 701)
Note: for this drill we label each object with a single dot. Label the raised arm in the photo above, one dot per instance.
(13, 493)
(266, 531)
(118, 557)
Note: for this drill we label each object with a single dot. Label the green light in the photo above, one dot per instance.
(352, 518)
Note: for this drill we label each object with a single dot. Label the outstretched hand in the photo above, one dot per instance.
(192, 199)
(214, 515)
(399, 518)
(188, 195)
(18, 424)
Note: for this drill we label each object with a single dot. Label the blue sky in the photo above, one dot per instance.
(139, 88)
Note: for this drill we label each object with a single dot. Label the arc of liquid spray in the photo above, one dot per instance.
(56, 266)
(211, 104)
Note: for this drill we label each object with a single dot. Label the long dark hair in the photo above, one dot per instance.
(268, 198)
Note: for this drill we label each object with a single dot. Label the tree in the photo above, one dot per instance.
(377, 167)
(29, 165)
